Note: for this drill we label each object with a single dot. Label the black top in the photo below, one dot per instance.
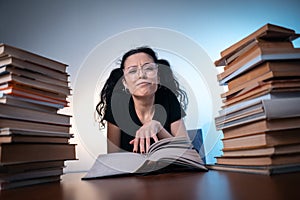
(121, 112)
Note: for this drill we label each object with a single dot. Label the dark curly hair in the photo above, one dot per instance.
(113, 83)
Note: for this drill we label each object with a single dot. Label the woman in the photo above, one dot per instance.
(139, 102)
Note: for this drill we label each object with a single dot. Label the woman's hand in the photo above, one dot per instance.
(143, 135)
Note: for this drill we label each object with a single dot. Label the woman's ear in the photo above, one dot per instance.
(124, 83)
(126, 90)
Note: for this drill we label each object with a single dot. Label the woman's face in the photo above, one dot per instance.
(140, 74)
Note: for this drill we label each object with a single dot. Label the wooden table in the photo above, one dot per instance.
(171, 186)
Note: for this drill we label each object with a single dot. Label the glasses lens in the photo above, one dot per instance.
(150, 69)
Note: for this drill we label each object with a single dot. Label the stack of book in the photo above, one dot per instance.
(260, 117)
(34, 137)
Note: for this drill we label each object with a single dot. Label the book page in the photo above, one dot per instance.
(188, 157)
(115, 164)
(175, 150)
(164, 143)
(170, 153)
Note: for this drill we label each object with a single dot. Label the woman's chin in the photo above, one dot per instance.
(143, 92)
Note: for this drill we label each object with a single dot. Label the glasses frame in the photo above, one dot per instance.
(135, 74)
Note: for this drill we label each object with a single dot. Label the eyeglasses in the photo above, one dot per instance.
(150, 69)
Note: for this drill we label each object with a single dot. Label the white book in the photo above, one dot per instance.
(257, 60)
(269, 109)
(244, 104)
(175, 150)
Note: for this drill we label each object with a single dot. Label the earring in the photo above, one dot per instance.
(159, 86)
(126, 90)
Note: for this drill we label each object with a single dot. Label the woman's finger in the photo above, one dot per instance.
(135, 145)
(155, 138)
(142, 145)
(147, 144)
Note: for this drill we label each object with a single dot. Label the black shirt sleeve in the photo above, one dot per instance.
(168, 100)
(108, 115)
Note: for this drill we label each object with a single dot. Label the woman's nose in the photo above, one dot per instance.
(141, 73)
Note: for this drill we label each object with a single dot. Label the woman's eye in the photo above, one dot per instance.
(132, 71)
(148, 68)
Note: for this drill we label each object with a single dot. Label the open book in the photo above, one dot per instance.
(176, 151)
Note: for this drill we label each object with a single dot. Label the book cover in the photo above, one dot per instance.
(265, 139)
(287, 159)
(31, 125)
(266, 71)
(22, 113)
(50, 87)
(291, 86)
(29, 182)
(262, 126)
(263, 170)
(264, 109)
(13, 135)
(34, 96)
(262, 151)
(27, 56)
(28, 66)
(9, 69)
(15, 153)
(29, 103)
(254, 58)
(268, 32)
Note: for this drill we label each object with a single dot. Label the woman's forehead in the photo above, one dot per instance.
(138, 59)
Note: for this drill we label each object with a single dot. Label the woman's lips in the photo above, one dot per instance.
(143, 83)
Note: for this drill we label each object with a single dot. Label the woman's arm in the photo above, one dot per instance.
(177, 129)
(113, 138)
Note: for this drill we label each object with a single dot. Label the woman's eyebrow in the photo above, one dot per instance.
(134, 66)
(146, 63)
